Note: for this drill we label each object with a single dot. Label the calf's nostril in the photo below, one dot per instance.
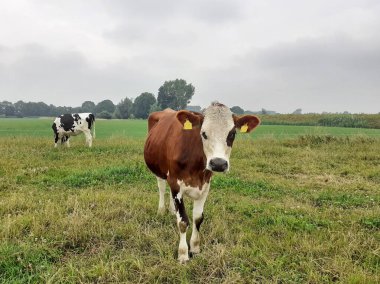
(218, 165)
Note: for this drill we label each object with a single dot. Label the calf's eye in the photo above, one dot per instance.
(231, 137)
(204, 135)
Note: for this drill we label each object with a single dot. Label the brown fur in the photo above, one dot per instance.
(170, 148)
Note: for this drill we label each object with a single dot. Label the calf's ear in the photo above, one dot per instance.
(246, 123)
(189, 119)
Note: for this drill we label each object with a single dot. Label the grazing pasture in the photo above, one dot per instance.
(300, 204)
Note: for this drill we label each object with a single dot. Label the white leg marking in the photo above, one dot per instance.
(88, 138)
(182, 224)
(197, 215)
(68, 143)
(171, 205)
(183, 250)
(161, 188)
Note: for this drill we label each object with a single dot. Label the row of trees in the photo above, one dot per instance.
(175, 94)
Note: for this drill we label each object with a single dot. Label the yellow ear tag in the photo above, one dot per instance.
(187, 125)
(244, 128)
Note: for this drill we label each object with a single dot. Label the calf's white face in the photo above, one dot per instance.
(218, 127)
(218, 132)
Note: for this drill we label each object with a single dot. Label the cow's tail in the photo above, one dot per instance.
(93, 131)
(92, 119)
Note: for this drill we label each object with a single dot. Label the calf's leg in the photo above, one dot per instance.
(68, 141)
(161, 188)
(55, 140)
(198, 219)
(88, 138)
(172, 206)
(182, 223)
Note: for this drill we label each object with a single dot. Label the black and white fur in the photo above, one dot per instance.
(67, 125)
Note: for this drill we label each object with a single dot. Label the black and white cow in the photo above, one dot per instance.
(67, 125)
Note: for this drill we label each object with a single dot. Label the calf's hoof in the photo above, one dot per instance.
(161, 211)
(194, 251)
(183, 258)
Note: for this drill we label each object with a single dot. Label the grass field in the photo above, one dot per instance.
(138, 128)
(301, 209)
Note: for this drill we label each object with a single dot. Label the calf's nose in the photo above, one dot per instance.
(218, 165)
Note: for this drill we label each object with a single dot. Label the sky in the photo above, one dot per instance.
(320, 56)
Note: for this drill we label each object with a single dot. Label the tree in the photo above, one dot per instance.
(19, 105)
(142, 105)
(124, 109)
(10, 110)
(175, 94)
(104, 114)
(5, 107)
(194, 108)
(298, 111)
(63, 109)
(41, 109)
(154, 107)
(237, 110)
(105, 105)
(88, 106)
(32, 109)
(77, 110)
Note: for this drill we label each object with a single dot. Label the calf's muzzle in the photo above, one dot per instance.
(218, 165)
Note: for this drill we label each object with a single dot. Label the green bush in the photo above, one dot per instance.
(336, 120)
(343, 121)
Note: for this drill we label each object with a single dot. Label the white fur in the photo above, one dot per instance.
(197, 213)
(218, 122)
(183, 250)
(199, 197)
(193, 192)
(161, 187)
(161, 204)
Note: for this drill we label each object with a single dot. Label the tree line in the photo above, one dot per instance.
(175, 94)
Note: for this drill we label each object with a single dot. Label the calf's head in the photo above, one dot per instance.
(217, 127)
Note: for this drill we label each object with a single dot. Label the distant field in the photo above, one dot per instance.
(339, 120)
(138, 128)
(300, 209)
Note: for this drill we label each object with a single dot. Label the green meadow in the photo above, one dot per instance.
(301, 204)
(106, 129)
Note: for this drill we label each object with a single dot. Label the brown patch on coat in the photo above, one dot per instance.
(182, 226)
(171, 149)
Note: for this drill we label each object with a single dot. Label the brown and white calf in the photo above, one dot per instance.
(184, 148)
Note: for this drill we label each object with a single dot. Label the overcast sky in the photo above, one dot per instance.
(279, 55)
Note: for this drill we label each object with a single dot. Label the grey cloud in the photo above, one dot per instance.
(168, 23)
(156, 37)
(339, 50)
(216, 11)
(67, 78)
(320, 74)
(230, 51)
(156, 12)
